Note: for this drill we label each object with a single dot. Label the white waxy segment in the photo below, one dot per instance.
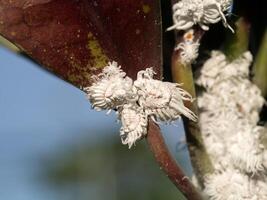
(111, 89)
(189, 48)
(246, 150)
(162, 100)
(217, 68)
(134, 124)
(228, 185)
(187, 13)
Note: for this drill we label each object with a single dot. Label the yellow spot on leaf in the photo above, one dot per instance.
(146, 8)
(99, 59)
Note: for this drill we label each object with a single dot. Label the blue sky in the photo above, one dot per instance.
(39, 114)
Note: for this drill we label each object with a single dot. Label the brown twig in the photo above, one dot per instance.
(169, 165)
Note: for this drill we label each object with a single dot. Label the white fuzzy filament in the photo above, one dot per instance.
(230, 106)
(135, 101)
(187, 13)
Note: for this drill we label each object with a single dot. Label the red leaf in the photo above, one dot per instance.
(76, 38)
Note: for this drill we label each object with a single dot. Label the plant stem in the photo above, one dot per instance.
(237, 43)
(182, 73)
(169, 165)
(260, 67)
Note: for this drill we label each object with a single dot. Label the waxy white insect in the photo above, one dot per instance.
(228, 185)
(134, 124)
(189, 48)
(163, 101)
(246, 151)
(111, 89)
(218, 68)
(187, 13)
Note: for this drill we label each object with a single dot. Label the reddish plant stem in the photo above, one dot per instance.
(169, 165)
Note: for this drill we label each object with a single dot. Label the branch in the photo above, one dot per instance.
(237, 43)
(182, 73)
(169, 165)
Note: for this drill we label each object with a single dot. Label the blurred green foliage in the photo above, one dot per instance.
(111, 170)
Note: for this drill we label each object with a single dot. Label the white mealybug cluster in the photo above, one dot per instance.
(163, 101)
(229, 113)
(137, 100)
(189, 48)
(187, 13)
(228, 185)
(210, 75)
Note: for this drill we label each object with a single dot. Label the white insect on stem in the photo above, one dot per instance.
(230, 105)
(187, 13)
(228, 185)
(134, 124)
(246, 150)
(189, 48)
(111, 89)
(218, 68)
(135, 101)
(162, 100)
